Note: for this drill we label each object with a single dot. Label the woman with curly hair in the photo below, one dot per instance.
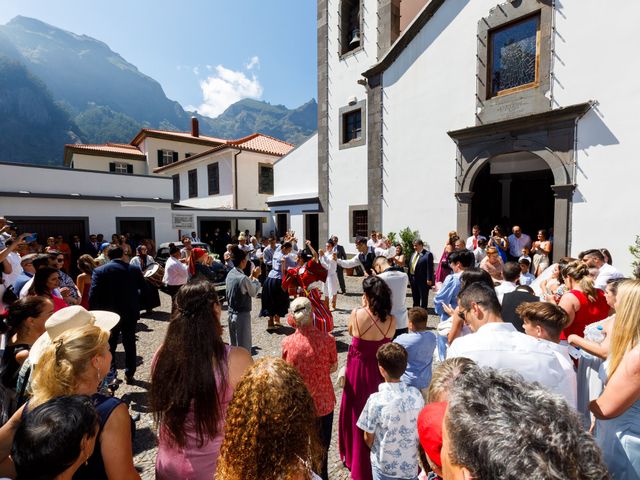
(371, 326)
(271, 431)
(193, 378)
(444, 269)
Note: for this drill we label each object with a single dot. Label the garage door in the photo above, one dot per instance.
(51, 227)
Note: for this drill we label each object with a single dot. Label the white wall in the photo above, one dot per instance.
(429, 90)
(225, 170)
(100, 163)
(297, 172)
(14, 178)
(595, 61)
(101, 214)
(348, 167)
(151, 145)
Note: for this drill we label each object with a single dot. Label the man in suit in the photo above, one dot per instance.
(512, 300)
(420, 274)
(115, 288)
(93, 247)
(77, 249)
(342, 255)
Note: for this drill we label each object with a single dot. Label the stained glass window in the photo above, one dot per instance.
(513, 55)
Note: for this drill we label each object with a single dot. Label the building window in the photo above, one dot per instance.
(514, 52)
(193, 183)
(213, 178)
(188, 154)
(352, 126)
(350, 26)
(359, 223)
(176, 187)
(265, 180)
(167, 157)
(120, 167)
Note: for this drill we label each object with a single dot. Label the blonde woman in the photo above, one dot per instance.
(75, 363)
(617, 410)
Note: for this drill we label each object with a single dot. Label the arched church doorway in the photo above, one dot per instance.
(513, 189)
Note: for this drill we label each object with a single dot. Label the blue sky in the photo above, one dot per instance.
(205, 53)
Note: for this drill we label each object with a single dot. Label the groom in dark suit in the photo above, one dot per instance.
(115, 287)
(342, 255)
(420, 274)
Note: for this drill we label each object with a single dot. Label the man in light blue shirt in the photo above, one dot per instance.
(459, 260)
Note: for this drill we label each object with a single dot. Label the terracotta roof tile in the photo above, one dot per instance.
(259, 142)
(117, 148)
(177, 135)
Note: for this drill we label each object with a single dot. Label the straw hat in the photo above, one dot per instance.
(67, 318)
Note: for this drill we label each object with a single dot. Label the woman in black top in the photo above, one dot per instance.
(22, 323)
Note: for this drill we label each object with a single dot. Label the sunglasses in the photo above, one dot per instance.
(461, 314)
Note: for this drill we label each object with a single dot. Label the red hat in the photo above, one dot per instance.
(430, 430)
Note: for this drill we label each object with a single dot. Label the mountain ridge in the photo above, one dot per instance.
(108, 99)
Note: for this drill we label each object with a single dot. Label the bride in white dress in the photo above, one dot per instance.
(328, 259)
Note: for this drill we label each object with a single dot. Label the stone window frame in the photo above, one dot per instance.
(362, 106)
(192, 183)
(342, 54)
(352, 209)
(520, 100)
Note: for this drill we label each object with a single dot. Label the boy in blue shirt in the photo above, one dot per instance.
(420, 344)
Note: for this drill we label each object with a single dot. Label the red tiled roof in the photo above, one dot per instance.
(256, 142)
(117, 148)
(202, 139)
(261, 143)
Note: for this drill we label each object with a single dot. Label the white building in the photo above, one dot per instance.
(294, 203)
(214, 183)
(474, 112)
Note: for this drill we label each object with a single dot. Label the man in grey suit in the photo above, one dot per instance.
(342, 255)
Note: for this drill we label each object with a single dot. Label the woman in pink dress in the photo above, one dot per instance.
(192, 381)
(444, 270)
(371, 326)
(86, 265)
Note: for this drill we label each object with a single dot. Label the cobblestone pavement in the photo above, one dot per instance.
(150, 333)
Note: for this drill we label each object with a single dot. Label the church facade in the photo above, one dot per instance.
(444, 114)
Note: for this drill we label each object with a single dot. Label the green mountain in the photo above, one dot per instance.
(33, 128)
(248, 116)
(109, 99)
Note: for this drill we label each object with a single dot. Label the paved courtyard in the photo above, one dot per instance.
(151, 331)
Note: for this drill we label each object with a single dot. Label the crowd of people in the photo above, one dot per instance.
(532, 371)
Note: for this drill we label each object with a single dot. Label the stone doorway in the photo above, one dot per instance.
(507, 194)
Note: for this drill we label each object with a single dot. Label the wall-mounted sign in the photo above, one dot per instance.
(181, 221)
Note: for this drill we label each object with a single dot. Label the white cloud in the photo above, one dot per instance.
(196, 71)
(253, 62)
(224, 88)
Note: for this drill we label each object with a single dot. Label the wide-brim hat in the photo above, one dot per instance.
(67, 318)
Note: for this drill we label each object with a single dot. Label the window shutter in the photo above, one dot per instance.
(175, 157)
(129, 168)
(160, 158)
(112, 166)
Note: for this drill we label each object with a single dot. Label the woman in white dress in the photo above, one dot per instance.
(328, 259)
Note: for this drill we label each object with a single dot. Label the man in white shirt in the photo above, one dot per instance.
(510, 274)
(472, 241)
(517, 241)
(373, 239)
(499, 345)
(544, 321)
(397, 281)
(595, 259)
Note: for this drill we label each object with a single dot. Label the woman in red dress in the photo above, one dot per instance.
(583, 302)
